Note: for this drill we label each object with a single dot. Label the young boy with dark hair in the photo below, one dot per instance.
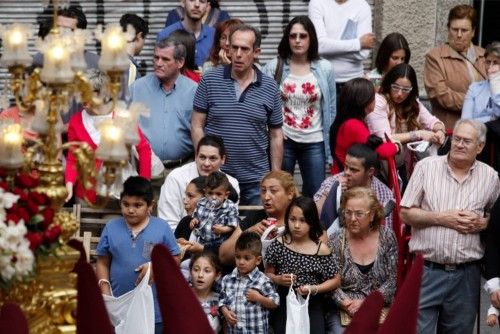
(124, 250)
(247, 294)
(215, 216)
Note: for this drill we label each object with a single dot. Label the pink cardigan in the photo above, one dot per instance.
(379, 122)
(78, 132)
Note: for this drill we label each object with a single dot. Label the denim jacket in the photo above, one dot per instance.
(480, 104)
(323, 72)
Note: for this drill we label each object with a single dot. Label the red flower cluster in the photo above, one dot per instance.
(34, 209)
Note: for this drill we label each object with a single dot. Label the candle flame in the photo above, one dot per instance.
(16, 37)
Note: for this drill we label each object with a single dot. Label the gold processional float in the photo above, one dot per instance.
(35, 262)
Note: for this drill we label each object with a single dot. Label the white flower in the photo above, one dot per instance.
(7, 271)
(7, 199)
(14, 234)
(24, 260)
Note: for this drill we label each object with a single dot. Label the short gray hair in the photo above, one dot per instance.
(480, 128)
(493, 49)
(179, 48)
(246, 27)
(97, 79)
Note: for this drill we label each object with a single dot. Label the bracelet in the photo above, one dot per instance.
(414, 136)
(442, 130)
(103, 280)
(314, 290)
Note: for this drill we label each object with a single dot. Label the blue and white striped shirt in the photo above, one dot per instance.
(243, 122)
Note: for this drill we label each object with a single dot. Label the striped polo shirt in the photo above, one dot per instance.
(242, 122)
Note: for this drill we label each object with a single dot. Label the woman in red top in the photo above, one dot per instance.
(357, 100)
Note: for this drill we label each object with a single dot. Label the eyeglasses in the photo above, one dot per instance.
(358, 214)
(465, 141)
(397, 88)
(299, 35)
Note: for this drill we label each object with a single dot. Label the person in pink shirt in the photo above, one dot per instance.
(83, 127)
(398, 112)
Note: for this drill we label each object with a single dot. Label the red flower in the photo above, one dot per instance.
(4, 185)
(38, 198)
(26, 181)
(32, 206)
(313, 98)
(52, 234)
(23, 196)
(48, 217)
(289, 120)
(307, 88)
(310, 111)
(289, 88)
(35, 239)
(213, 311)
(306, 122)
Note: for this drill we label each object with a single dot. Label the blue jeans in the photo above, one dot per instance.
(311, 158)
(448, 300)
(250, 193)
(332, 322)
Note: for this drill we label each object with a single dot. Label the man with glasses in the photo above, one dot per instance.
(447, 203)
(243, 106)
(211, 155)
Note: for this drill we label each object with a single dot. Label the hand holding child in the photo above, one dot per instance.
(229, 315)
(194, 223)
(491, 320)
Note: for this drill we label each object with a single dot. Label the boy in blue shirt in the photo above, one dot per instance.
(124, 250)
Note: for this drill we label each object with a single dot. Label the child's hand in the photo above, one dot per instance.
(253, 295)
(218, 229)
(193, 223)
(230, 316)
(491, 320)
(142, 269)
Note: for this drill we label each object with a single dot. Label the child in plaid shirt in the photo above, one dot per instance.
(215, 216)
(247, 294)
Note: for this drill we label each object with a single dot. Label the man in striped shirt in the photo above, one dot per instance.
(447, 203)
(240, 104)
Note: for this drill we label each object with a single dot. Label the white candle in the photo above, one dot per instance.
(16, 46)
(112, 146)
(11, 155)
(57, 62)
(114, 50)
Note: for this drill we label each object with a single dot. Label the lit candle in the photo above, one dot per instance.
(128, 119)
(16, 46)
(114, 50)
(56, 62)
(112, 146)
(11, 140)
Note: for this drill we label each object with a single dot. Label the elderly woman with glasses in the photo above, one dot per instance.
(398, 112)
(307, 86)
(366, 254)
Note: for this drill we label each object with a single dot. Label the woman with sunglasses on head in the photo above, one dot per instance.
(398, 112)
(307, 86)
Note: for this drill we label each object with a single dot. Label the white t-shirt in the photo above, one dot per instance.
(302, 121)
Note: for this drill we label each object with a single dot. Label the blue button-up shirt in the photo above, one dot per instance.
(204, 42)
(480, 104)
(168, 128)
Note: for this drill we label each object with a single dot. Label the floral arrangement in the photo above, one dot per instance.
(26, 228)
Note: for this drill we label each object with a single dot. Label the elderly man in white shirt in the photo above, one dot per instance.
(447, 203)
(210, 156)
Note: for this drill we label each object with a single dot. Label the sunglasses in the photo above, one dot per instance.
(299, 35)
